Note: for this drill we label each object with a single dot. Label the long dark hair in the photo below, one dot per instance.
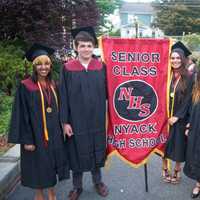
(182, 71)
(196, 90)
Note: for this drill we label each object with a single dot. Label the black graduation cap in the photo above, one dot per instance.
(180, 45)
(88, 29)
(38, 50)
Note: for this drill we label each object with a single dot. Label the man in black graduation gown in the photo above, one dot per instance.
(83, 106)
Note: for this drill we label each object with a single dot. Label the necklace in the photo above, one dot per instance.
(43, 109)
(47, 94)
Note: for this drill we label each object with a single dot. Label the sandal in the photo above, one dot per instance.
(166, 176)
(196, 191)
(74, 194)
(101, 189)
(176, 176)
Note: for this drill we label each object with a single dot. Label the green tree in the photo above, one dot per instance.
(192, 41)
(106, 8)
(176, 17)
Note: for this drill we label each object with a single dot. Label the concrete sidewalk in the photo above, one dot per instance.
(9, 171)
(124, 182)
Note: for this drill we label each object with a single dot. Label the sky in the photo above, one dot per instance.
(138, 0)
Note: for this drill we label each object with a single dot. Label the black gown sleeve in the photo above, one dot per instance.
(20, 131)
(63, 93)
(190, 114)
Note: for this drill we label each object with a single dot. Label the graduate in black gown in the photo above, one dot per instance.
(192, 163)
(83, 106)
(35, 125)
(179, 102)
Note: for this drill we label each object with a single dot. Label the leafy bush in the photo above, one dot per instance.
(11, 64)
(5, 112)
(57, 65)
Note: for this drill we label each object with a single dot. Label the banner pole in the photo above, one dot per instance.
(146, 178)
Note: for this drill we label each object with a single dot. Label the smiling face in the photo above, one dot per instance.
(42, 67)
(176, 61)
(85, 50)
(43, 70)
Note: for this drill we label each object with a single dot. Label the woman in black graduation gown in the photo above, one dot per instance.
(179, 102)
(192, 164)
(35, 125)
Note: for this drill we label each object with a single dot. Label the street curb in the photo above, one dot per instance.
(9, 171)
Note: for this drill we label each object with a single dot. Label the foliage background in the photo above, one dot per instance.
(49, 22)
(176, 17)
(5, 108)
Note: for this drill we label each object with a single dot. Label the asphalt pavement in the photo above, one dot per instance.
(124, 182)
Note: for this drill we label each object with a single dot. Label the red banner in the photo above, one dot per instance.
(137, 75)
